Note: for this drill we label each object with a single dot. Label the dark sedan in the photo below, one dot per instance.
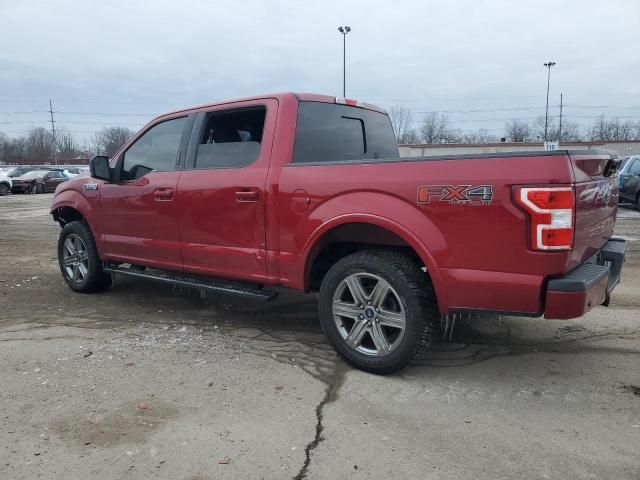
(38, 181)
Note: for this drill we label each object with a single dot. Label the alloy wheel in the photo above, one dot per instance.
(75, 258)
(369, 314)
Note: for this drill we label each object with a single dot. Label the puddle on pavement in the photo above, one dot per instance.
(126, 424)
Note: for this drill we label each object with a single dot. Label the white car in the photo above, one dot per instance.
(73, 172)
(5, 184)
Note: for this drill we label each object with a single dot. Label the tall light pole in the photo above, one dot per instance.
(546, 113)
(344, 30)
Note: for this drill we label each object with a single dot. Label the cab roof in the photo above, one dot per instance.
(300, 97)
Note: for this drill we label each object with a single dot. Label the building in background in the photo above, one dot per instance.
(624, 149)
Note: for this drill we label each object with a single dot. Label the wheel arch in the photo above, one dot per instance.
(67, 206)
(355, 232)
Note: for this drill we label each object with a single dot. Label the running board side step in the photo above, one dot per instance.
(193, 281)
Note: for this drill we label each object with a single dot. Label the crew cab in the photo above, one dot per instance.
(309, 192)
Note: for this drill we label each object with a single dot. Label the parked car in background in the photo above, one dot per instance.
(5, 184)
(18, 171)
(73, 172)
(38, 181)
(630, 181)
(623, 168)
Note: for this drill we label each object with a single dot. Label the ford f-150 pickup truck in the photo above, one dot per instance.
(309, 192)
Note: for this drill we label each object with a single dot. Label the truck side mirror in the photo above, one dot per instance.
(99, 168)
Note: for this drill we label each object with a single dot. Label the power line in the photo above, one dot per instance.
(38, 122)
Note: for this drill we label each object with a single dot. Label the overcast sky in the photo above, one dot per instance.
(122, 62)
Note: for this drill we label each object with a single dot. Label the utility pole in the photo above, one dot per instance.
(546, 115)
(560, 127)
(344, 30)
(53, 131)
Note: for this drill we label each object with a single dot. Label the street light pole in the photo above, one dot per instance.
(546, 114)
(344, 30)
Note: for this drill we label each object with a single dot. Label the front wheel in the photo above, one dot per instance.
(378, 310)
(80, 264)
(38, 188)
(4, 189)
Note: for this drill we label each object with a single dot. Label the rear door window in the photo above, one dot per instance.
(231, 138)
(327, 132)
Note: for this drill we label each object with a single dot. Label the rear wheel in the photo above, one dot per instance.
(80, 264)
(4, 189)
(378, 310)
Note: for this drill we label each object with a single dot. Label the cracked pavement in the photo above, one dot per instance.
(145, 381)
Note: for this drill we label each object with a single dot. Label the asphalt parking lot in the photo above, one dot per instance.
(144, 381)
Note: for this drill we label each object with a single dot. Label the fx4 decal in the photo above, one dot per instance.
(456, 195)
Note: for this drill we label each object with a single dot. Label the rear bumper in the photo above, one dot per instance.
(588, 285)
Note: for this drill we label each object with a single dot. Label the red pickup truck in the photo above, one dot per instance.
(309, 192)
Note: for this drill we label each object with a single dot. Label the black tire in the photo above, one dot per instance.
(4, 189)
(95, 279)
(38, 188)
(410, 285)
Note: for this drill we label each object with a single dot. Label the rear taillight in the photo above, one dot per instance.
(551, 213)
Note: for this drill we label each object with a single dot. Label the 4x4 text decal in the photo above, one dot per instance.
(456, 195)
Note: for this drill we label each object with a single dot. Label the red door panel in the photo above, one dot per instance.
(221, 212)
(140, 222)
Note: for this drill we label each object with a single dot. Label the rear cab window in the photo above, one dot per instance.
(327, 132)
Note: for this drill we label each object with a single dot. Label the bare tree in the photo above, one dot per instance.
(411, 136)
(622, 129)
(479, 136)
(402, 120)
(67, 146)
(537, 129)
(518, 131)
(435, 129)
(570, 131)
(613, 130)
(110, 139)
(40, 144)
(5, 142)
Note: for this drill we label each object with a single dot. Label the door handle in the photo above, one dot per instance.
(247, 196)
(163, 194)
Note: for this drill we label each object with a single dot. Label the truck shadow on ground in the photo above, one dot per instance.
(287, 329)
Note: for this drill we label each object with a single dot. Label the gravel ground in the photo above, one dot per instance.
(144, 381)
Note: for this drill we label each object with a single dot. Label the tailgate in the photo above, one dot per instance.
(596, 203)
